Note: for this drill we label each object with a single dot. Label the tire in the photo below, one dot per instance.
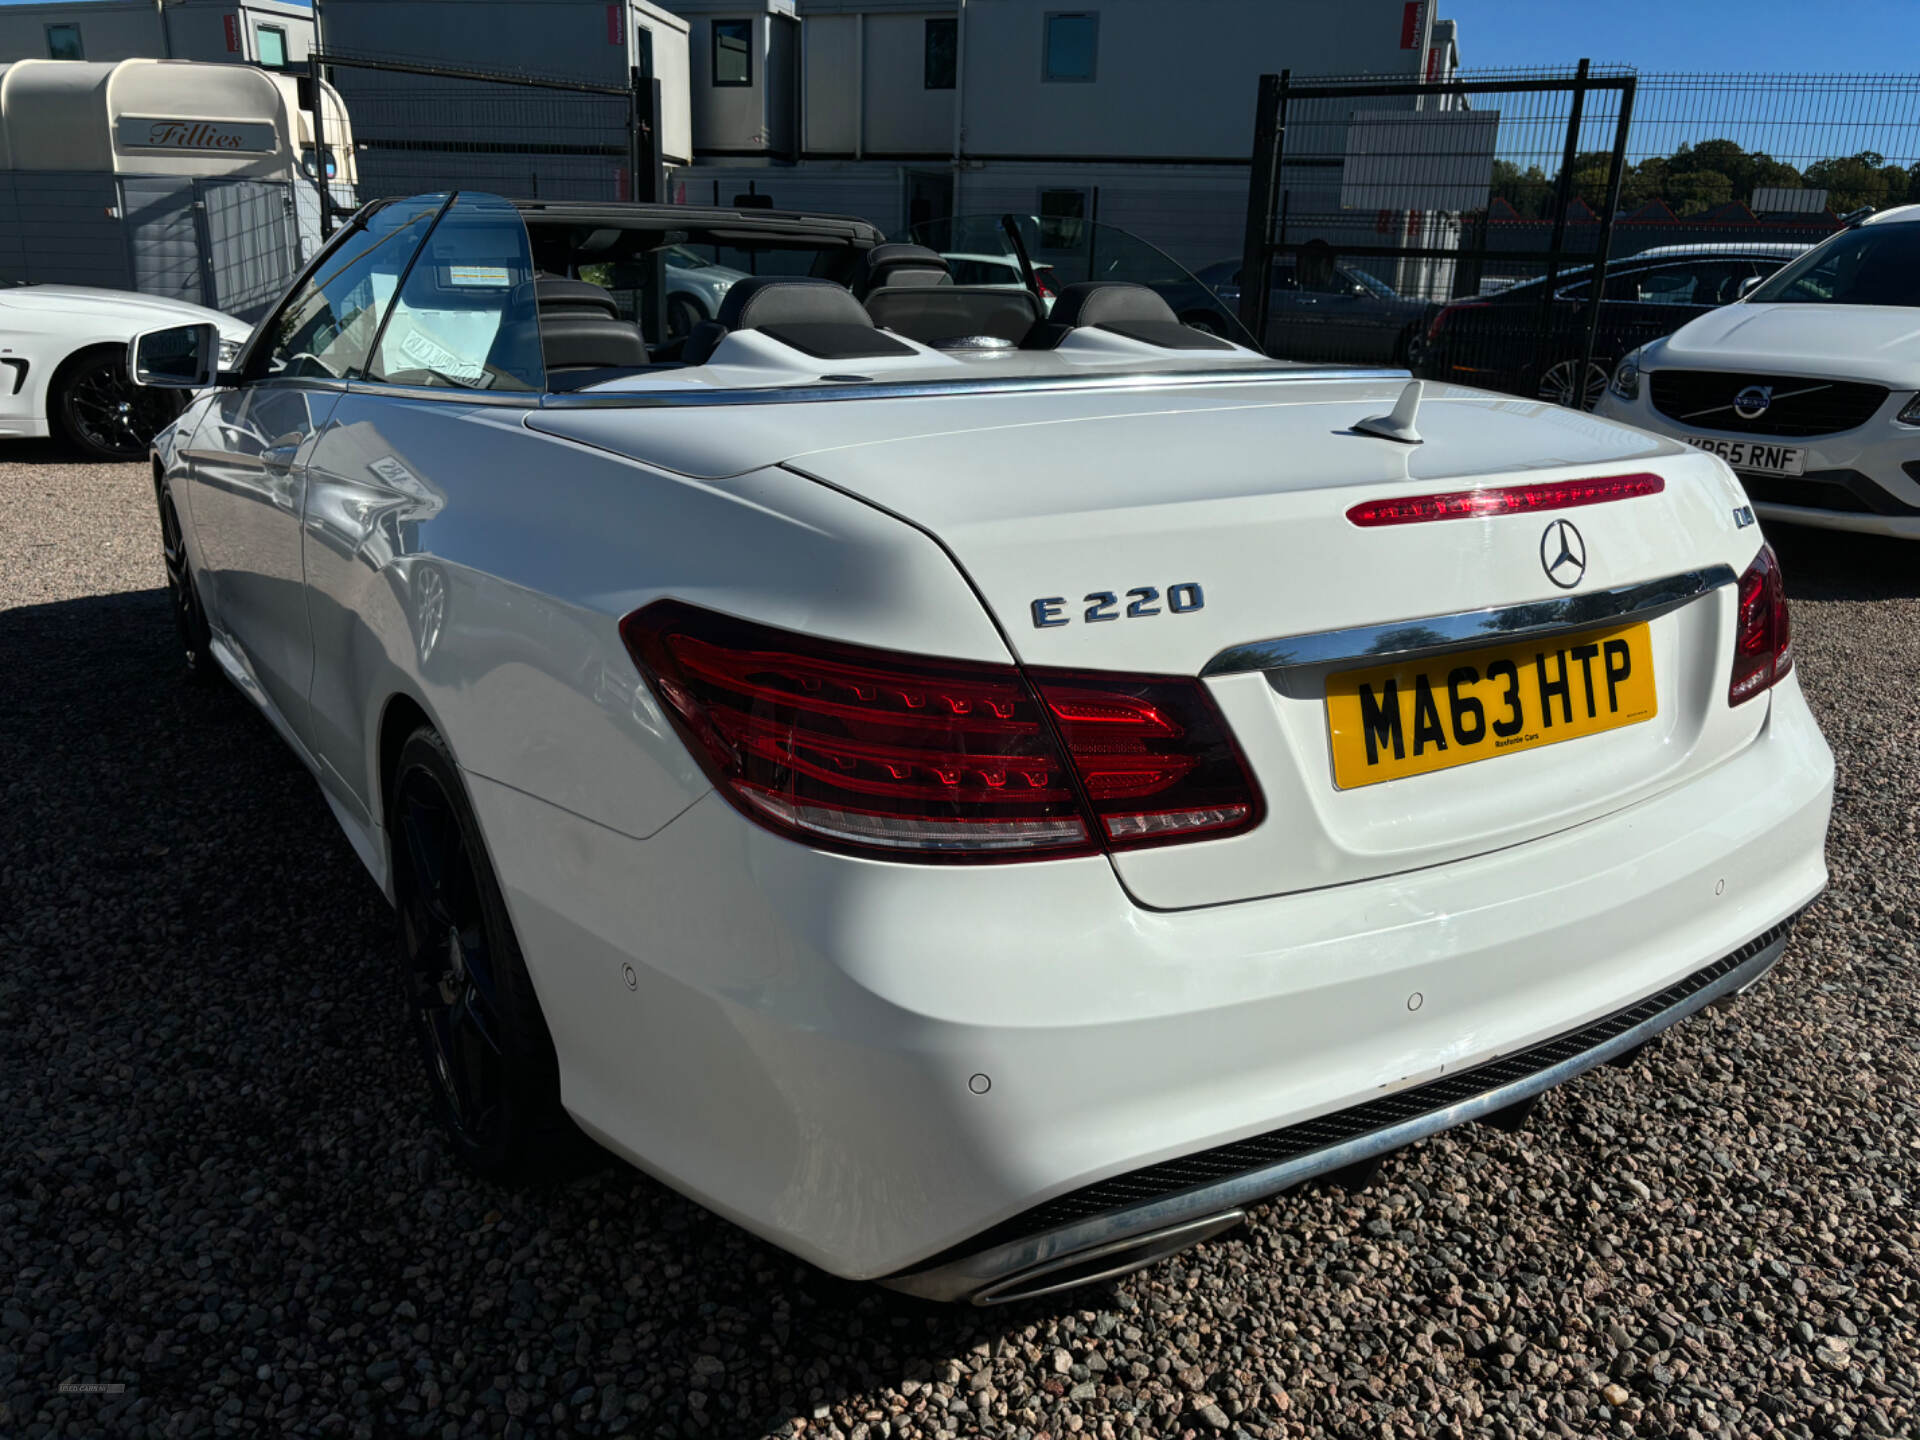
(490, 1062)
(189, 615)
(1556, 383)
(1411, 348)
(1203, 321)
(100, 411)
(682, 315)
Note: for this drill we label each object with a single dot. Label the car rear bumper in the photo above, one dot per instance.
(894, 1070)
(1117, 1224)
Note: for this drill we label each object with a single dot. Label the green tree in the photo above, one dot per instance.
(1855, 180)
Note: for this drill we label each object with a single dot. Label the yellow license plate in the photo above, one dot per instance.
(1447, 710)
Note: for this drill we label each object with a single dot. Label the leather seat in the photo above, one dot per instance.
(581, 328)
(900, 267)
(814, 316)
(1119, 308)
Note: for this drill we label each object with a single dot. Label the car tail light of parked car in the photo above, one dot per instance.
(848, 748)
(1446, 312)
(1763, 635)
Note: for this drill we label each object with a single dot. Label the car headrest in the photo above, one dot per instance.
(897, 266)
(1133, 311)
(814, 316)
(1102, 302)
(763, 300)
(556, 295)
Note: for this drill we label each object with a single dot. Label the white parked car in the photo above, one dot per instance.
(980, 818)
(1809, 386)
(63, 364)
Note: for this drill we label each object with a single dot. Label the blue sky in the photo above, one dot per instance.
(1729, 44)
(1720, 35)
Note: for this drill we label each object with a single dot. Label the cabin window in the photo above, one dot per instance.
(63, 43)
(270, 46)
(1063, 215)
(1072, 41)
(733, 52)
(942, 46)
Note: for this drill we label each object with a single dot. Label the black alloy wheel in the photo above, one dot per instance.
(489, 1058)
(189, 616)
(103, 413)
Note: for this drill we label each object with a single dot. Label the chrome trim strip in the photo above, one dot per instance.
(1437, 633)
(978, 1276)
(690, 397)
(514, 399)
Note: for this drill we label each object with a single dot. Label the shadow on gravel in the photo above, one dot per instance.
(1832, 565)
(47, 452)
(218, 1184)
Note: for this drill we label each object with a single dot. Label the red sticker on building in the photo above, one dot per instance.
(1410, 25)
(616, 30)
(233, 34)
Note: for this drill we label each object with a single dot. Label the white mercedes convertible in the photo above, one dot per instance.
(978, 795)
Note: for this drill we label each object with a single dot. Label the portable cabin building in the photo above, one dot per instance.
(169, 177)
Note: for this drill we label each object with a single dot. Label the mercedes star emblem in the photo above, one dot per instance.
(1752, 402)
(1563, 554)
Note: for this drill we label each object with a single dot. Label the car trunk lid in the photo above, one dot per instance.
(1175, 534)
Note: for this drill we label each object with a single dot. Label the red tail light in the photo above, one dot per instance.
(1762, 637)
(879, 753)
(1504, 500)
(1046, 290)
(1440, 319)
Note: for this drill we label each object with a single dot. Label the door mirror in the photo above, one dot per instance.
(1747, 285)
(181, 357)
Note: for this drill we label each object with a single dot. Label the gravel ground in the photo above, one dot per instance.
(219, 1189)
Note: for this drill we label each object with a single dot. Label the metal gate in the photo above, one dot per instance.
(419, 126)
(1368, 216)
(246, 239)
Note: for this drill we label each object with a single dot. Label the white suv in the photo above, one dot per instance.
(1809, 386)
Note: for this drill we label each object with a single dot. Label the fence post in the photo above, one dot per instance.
(645, 162)
(1616, 170)
(317, 94)
(1562, 193)
(1256, 258)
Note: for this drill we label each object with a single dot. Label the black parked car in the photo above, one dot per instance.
(1348, 316)
(1504, 341)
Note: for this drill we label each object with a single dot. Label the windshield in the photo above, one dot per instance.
(1874, 265)
(1067, 253)
(1377, 286)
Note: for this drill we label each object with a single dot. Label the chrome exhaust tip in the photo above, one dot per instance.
(1105, 1262)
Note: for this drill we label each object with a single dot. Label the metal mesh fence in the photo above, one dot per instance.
(1454, 226)
(418, 126)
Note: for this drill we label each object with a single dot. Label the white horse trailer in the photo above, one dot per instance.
(171, 177)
